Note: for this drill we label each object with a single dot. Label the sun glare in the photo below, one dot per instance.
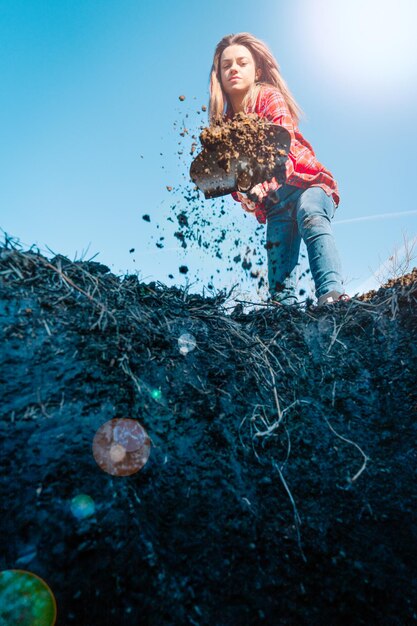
(365, 48)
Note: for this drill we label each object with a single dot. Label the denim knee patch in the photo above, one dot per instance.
(314, 202)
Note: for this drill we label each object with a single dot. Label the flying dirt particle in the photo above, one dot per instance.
(182, 219)
(204, 108)
(159, 245)
(169, 188)
(183, 269)
(146, 218)
(182, 98)
(131, 250)
(171, 276)
(237, 258)
(181, 237)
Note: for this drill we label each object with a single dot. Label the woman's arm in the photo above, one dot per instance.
(274, 109)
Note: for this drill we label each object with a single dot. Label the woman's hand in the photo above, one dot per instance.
(247, 204)
(259, 192)
(256, 195)
(253, 198)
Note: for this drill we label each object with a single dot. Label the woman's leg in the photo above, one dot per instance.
(283, 247)
(314, 212)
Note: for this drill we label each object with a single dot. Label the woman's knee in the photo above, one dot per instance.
(314, 224)
(315, 209)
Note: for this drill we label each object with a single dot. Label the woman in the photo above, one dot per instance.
(245, 77)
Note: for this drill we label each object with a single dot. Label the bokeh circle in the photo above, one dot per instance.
(121, 447)
(26, 599)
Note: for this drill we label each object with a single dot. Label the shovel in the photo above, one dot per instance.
(208, 170)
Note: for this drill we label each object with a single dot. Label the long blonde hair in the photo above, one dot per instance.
(270, 75)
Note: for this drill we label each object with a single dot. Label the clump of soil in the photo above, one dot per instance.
(244, 134)
(280, 487)
(391, 284)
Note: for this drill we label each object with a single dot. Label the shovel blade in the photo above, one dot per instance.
(210, 177)
(209, 174)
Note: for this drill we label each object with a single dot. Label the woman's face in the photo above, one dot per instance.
(237, 70)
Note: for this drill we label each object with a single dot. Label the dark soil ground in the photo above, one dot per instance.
(281, 483)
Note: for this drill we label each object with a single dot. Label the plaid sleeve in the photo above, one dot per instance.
(274, 108)
(276, 111)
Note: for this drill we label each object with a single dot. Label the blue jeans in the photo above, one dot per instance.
(292, 214)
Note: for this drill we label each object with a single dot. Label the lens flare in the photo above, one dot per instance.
(363, 49)
(129, 434)
(156, 394)
(117, 452)
(82, 506)
(186, 343)
(121, 447)
(25, 599)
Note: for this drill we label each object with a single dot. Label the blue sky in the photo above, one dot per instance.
(90, 100)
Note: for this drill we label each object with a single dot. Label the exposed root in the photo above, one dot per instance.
(297, 520)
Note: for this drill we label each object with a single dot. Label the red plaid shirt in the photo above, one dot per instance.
(302, 168)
